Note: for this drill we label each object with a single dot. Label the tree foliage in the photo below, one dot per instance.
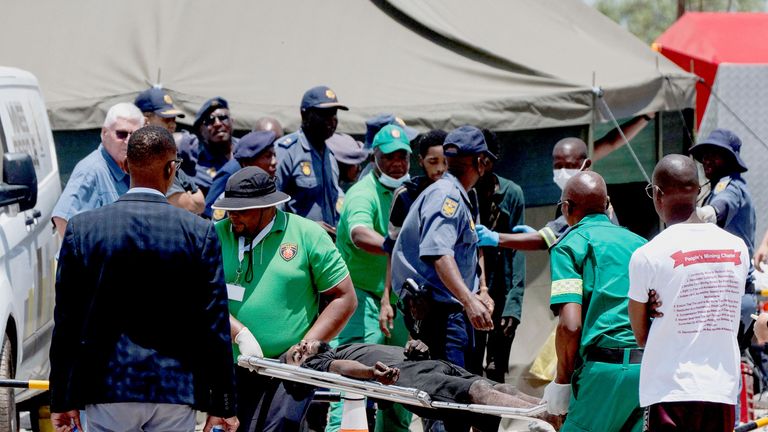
(648, 19)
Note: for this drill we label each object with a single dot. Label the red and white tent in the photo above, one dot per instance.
(729, 52)
(700, 42)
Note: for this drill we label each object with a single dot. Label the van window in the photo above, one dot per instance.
(24, 127)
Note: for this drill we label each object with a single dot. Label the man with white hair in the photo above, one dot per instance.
(101, 177)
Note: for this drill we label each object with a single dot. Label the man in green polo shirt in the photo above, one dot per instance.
(277, 267)
(598, 360)
(360, 239)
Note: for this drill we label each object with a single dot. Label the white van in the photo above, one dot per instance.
(28, 243)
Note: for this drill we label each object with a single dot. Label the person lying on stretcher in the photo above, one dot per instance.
(412, 368)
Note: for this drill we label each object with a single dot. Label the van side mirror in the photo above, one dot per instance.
(19, 181)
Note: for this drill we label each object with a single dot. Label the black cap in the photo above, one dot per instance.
(466, 141)
(321, 97)
(211, 104)
(254, 143)
(346, 149)
(158, 102)
(250, 188)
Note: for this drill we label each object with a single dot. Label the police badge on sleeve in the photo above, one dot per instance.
(449, 207)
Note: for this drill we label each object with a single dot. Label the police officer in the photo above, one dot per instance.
(254, 149)
(157, 106)
(728, 203)
(350, 155)
(213, 125)
(307, 170)
(437, 248)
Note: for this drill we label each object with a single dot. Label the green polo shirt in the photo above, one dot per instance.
(590, 266)
(291, 265)
(367, 204)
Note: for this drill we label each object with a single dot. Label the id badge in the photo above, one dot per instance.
(235, 292)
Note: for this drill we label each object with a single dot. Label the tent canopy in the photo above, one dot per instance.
(700, 41)
(716, 37)
(517, 65)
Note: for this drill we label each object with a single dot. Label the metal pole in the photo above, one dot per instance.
(31, 384)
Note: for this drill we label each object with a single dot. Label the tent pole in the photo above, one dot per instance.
(660, 149)
(659, 136)
(695, 128)
(591, 129)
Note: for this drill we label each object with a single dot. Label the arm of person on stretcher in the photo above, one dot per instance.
(354, 369)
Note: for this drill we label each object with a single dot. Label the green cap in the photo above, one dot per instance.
(390, 139)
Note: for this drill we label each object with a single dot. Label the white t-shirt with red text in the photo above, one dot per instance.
(699, 271)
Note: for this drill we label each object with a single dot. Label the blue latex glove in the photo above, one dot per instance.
(487, 237)
(522, 229)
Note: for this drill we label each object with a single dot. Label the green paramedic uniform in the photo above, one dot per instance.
(590, 266)
(291, 265)
(367, 204)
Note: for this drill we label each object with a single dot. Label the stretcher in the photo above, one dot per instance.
(403, 395)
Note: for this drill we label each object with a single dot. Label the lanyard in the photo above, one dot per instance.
(242, 248)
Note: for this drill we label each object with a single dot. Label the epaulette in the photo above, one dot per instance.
(722, 184)
(288, 140)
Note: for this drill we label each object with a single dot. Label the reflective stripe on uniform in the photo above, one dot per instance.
(567, 286)
(548, 235)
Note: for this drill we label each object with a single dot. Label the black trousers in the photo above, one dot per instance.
(269, 404)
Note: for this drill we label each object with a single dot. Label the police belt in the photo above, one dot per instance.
(614, 355)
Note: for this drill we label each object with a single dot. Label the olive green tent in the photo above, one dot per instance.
(512, 66)
(504, 65)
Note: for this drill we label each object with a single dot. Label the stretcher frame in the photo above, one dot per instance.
(373, 389)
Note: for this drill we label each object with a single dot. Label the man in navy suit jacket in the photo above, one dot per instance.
(141, 336)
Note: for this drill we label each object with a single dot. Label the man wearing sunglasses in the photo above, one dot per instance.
(213, 126)
(100, 178)
(306, 168)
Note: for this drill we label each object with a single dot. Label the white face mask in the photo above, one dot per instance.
(562, 175)
(391, 182)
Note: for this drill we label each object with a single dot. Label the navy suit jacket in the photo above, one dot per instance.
(141, 310)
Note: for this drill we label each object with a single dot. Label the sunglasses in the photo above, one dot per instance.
(122, 134)
(176, 163)
(223, 118)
